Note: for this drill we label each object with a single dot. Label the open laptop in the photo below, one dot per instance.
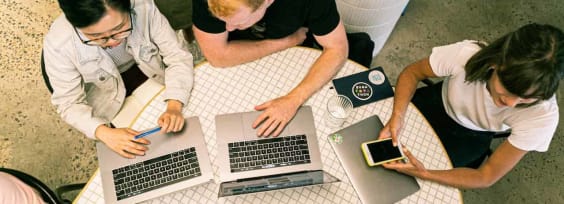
(372, 184)
(174, 161)
(249, 164)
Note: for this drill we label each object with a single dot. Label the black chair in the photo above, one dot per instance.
(46, 193)
(44, 74)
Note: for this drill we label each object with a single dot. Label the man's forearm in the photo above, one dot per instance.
(243, 51)
(322, 70)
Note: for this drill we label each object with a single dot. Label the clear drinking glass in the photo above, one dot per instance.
(339, 108)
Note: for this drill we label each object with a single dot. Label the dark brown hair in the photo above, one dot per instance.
(531, 57)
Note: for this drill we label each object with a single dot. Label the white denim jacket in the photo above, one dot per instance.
(87, 87)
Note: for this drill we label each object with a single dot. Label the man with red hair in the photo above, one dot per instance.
(232, 32)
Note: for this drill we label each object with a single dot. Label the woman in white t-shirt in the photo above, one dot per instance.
(508, 85)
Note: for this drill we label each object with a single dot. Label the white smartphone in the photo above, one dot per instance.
(381, 151)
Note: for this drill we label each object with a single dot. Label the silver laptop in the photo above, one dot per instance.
(249, 164)
(174, 161)
(390, 186)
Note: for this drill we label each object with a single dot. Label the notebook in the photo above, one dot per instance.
(174, 161)
(135, 103)
(364, 87)
(372, 184)
(249, 164)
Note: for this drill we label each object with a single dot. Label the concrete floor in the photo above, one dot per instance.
(35, 140)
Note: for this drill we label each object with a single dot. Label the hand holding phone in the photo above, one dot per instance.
(381, 151)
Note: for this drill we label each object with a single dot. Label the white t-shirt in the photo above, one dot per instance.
(471, 105)
(122, 58)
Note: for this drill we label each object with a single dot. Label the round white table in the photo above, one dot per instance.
(240, 88)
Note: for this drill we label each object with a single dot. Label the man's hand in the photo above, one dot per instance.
(122, 141)
(172, 120)
(392, 129)
(277, 113)
(413, 167)
(297, 38)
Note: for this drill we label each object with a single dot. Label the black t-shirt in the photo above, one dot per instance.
(282, 18)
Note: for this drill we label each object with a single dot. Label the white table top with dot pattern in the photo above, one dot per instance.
(240, 88)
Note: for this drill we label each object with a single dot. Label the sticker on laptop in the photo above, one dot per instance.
(376, 77)
(362, 91)
(337, 138)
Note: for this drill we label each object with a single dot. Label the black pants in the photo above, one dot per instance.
(133, 78)
(360, 47)
(465, 147)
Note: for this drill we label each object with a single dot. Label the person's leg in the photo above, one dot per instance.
(133, 78)
(464, 146)
(360, 47)
(188, 34)
(177, 12)
(179, 16)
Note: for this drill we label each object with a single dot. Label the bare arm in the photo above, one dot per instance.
(405, 88)
(334, 55)
(278, 112)
(505, 157)
(222, 53)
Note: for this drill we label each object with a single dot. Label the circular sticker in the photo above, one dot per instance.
(376, 77)
(337, 138)
(362, 91)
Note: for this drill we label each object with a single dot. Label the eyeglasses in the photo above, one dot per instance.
(103, 40)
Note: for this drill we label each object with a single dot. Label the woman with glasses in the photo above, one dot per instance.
(99, 51)
(508, 85)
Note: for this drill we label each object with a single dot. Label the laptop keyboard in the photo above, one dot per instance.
(268, 153)
(154, 173)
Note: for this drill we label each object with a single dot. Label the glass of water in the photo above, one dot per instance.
(339, 108)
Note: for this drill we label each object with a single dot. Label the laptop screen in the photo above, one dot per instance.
(274, 182)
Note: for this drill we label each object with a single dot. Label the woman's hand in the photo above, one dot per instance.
(392, 129)
(172, 119)
(413, 167)
(122, 141)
